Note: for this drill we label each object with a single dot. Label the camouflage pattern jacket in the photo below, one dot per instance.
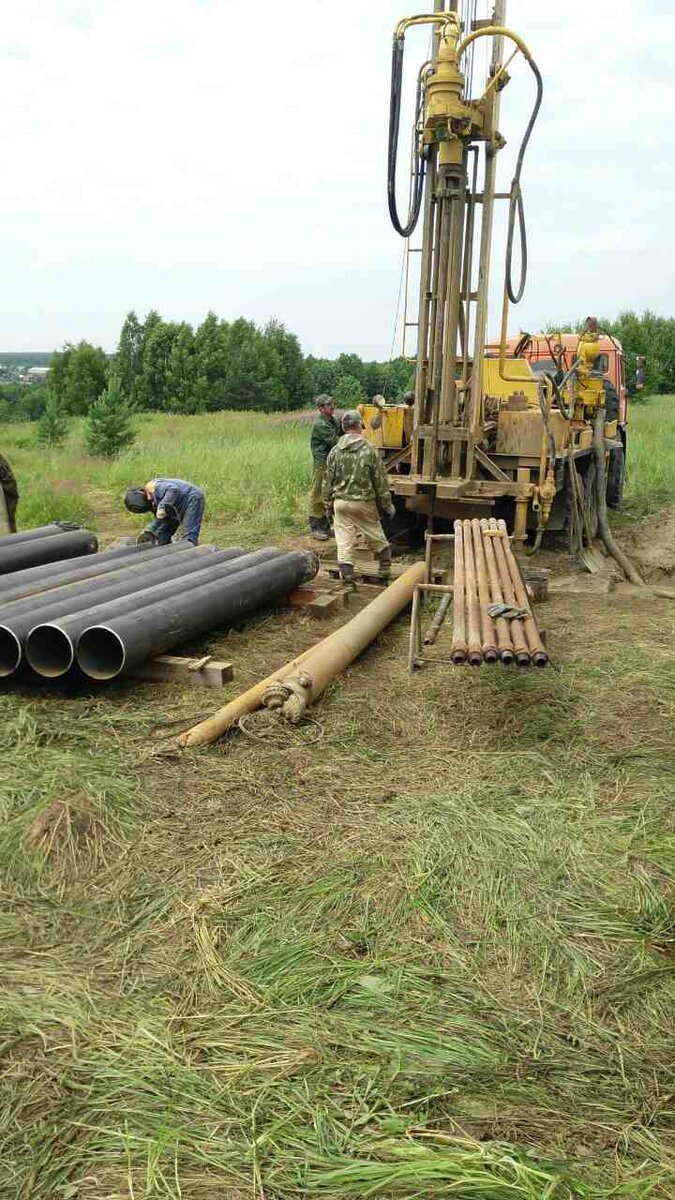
(354, 471)
(325, 433)
(7, 479)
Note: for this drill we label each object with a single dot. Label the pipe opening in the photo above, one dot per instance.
(49, 651)
(100, 653)
(10, 652)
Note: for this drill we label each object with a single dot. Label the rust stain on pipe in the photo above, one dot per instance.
(459, 647)
(473, 616)
(487, 628)
(517, 631)
(504, 642)
(534, 642)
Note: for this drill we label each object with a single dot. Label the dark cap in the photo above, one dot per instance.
(323, 399)
(137, 501)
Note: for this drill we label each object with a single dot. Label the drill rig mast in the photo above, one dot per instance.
(448, 459)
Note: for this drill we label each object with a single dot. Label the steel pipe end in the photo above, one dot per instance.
(522, 658)
(458, 657)
(475, 658)
(49, 651)
(490, 656)
(506, 655)
(540, 659)
(10, 652)
(100, 653)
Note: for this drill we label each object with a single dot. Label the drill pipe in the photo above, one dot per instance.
(35, 580)
(517, 631)
(42, 531)
(473, 622)
(537, 649)
(458, 649)
(18, 619)
(104, 651)
(67, 544)
(51, 642)
(293, 694)
(438, 619)
(487, 628)
(504, 643)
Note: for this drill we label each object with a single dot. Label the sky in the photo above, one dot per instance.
(229, 155)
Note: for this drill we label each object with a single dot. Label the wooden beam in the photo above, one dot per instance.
(193, 672)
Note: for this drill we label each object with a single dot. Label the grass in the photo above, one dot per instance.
(431, 955)
(255, 470)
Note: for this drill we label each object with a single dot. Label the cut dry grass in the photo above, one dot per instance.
(431, 955)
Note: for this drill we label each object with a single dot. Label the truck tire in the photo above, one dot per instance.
(616, 473)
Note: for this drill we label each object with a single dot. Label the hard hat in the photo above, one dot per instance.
(351, 419)
(137, 501)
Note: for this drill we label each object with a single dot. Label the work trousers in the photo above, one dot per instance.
(191, 521)
(11, 502)
(316, 506)
(354, 518)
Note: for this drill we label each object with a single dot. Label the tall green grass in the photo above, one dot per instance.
(254, 468)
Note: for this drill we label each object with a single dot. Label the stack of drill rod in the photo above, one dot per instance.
(106, 614)
(492, 616)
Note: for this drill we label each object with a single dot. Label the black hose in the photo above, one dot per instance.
(392, 153)
(516, 201)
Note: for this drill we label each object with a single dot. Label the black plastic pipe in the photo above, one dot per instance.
(19, 618)
(67, 544)
(104, 651)
(42, 531)
(34, 580)
(50, 645)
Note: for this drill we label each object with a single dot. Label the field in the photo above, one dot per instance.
(430, 955)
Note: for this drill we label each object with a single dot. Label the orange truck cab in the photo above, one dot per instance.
(556, 351)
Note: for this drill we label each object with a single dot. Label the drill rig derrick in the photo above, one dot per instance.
(449, 458)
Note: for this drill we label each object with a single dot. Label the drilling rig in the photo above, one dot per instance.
(497, 431)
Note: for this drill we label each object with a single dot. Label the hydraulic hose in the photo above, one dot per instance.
(516, 209)
(392, 151)
(603, 520)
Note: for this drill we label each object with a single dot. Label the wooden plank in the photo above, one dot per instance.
(316, 602)
(170, 668)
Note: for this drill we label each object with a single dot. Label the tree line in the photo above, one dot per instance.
(172, 367)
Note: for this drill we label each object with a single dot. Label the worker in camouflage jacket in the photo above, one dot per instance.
(325, 433)
(356, 490)
(10, 492)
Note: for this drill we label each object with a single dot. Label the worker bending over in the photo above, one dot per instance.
(174, 502)
(325, 433)
(10, 492)
(355, 488)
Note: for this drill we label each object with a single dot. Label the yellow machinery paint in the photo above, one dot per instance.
(387, 427)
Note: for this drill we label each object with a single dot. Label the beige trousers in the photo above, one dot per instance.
(356, 521)
(316, 506)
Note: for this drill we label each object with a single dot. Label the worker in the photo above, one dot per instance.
(325, 433)
(175, 502)
(356, 490)
(10, 492)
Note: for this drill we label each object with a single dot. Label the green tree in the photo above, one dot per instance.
(128, 357)
(53, 426)
(247, 375)
(109, 430)
(77, 376)
(181, 374)
(348, 392)
(322, 375)
(287, 366)
(211, 350)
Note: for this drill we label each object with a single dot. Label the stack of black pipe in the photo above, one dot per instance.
(108, 613)
(47, 544)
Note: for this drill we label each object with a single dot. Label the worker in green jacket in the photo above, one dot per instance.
(356, 490)
(325, 433)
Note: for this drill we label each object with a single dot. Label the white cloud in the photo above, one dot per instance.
(231, 155)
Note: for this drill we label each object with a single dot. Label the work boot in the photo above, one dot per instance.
(347, 576)
(317, 529)
(384, 559)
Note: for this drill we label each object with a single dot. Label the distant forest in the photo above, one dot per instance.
(172, 367)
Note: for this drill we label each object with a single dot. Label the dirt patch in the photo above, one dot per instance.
(651, 543)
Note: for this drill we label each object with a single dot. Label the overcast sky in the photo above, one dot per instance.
(230, 155)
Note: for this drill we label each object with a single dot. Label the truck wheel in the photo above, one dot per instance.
(616, 473)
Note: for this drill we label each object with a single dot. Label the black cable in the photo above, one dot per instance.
(516, 201)
(394, 127)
